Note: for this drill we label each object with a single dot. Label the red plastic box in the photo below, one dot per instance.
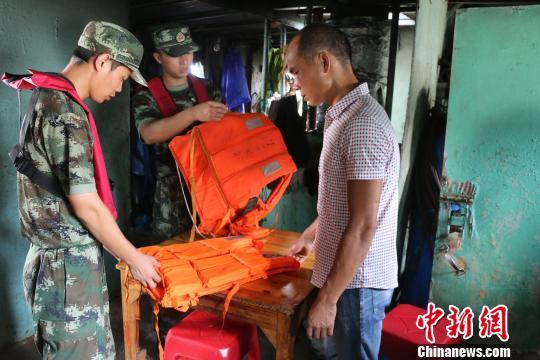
(401, 337)
(200, 336)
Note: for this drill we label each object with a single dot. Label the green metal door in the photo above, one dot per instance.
(492, 140)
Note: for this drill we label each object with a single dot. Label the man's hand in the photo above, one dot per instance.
(143, 269)
(321, 319)
(209, 111)
(301, 249)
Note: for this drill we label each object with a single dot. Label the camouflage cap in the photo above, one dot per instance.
(174, 40)
(119, 43)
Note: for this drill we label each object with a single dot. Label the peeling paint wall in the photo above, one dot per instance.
(370, 43)
(493, 137)
(42, 35)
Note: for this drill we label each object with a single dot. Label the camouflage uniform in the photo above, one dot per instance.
(170, 216)
(64, 277)
(64, 274)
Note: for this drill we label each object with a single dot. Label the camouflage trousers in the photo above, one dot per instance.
(67, 293)
(170, 215)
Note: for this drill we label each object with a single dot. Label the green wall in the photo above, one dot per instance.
(41, 35)
(492, 139)
(296, 209)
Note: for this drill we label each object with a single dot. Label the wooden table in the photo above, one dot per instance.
(277, 304)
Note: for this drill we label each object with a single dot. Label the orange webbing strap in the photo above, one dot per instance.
(192, 185)
(254, 231)
(156, 325)
(228, 299)
(277, 266)
(227, 218)
(282, 187)
(126, 301)
(242, 227)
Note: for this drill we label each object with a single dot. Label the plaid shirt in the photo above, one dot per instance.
(359, 144)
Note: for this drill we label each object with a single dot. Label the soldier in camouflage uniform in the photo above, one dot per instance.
(64, 275)
(174, 49)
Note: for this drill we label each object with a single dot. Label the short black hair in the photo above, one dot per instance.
(317, 37)
(81, 55)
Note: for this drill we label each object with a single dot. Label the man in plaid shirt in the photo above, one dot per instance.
(354, 236)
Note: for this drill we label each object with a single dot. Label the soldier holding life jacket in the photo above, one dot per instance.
(172, 105)
(65, 201)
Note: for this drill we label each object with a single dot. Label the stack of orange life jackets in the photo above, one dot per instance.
(191, 270)
(204, 267)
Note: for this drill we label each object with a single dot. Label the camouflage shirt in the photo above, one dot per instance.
(59, 142)
(145, 109)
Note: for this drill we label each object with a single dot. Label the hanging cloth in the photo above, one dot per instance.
(234, 85)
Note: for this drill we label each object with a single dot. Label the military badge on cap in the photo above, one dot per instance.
(180, 37)
(174, 40)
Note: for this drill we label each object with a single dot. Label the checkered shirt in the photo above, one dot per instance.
(358, 144)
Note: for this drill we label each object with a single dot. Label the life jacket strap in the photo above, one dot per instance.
(22, 161)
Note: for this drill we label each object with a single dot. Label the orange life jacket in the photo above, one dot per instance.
(226, 165)
(191, 270)
(36, 80)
